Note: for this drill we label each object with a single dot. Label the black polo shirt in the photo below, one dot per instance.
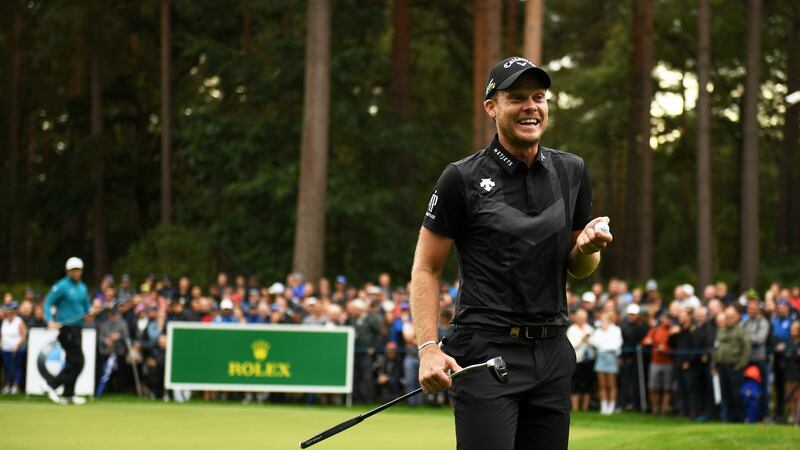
(512, 226)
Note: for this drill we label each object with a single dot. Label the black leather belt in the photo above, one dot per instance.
(524, 332)
(537, 332)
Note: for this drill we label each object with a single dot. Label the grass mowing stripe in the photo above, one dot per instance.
(128, 423)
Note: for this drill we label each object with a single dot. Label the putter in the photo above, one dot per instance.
(497, 367)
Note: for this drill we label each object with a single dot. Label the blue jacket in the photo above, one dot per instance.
(72, 300)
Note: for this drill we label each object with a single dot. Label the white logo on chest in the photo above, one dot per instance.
(487, 184)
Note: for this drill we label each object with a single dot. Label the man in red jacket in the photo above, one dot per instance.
(660, 383)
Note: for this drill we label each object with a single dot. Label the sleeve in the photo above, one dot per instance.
(583, 203)
(52, 300)
(745, 355)
(447, 207)
(87, 305)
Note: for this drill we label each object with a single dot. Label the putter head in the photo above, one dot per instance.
(497, 367)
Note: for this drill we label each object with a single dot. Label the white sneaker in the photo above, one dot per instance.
(75, 400)
(52, 394)
(14, 390)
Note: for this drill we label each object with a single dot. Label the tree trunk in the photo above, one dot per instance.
(309, 245)
(642, 125)
(532, 46)
(247, 32)
(401, 60)
(486, 48)
(512, 28)
(101, 266)
(789, 203)
(13, 142)
(749, 256)
(704, 229)
(166, 114)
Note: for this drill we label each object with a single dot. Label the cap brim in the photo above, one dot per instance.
(511, 79)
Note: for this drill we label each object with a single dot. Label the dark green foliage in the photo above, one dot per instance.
(238, 112)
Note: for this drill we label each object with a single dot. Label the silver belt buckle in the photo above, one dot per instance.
(544, 332)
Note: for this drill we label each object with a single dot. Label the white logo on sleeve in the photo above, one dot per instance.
(432, 204)
(487, 184)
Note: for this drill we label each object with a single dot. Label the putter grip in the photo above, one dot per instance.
(331, 431)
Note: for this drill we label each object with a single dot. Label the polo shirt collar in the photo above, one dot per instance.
(509, 162)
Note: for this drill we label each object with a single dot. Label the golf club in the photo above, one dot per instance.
(497, 367)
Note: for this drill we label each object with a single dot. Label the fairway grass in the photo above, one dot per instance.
(132, 424)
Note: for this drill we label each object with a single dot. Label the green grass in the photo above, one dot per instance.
(123, 423)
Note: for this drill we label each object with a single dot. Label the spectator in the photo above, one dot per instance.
(113, 338)
(607, 339)
(125, 292)
(12, 338)
(684, 294)
(709, 293)
(781, 336)
(262, 313)
(316, 312)
(660, 383)
(583, 378)
(683, 339)
(588, 302)
(726, 297)
(634, 329)
(730, 356)
(758, 332)
(389, 372)
(705, 335)
(792, 372)
(368, 334)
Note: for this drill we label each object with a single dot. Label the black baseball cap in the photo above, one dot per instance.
(506, 72)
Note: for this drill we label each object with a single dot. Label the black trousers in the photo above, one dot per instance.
(531, 411)
(70, 339)
(629, 383)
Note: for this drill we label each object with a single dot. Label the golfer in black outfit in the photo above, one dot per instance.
(520, 217)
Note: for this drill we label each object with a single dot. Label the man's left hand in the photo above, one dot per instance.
(592, 241)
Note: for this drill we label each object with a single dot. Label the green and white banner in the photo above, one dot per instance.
(267, 358)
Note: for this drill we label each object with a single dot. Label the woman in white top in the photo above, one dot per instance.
(12, 340)
(607, 339)
(578, 334)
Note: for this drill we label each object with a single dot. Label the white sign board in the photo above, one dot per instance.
(46, 359)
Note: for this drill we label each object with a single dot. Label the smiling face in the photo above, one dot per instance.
(520, 112)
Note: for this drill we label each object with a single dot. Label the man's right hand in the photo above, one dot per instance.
(52, 325)
(434, 365)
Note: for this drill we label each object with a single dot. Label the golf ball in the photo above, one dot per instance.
(602, 226)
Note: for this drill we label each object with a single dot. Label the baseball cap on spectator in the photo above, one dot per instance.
(126, 277)
(226, 303)
(144, 288)
(12, 305)
(507, 71)
(388, 305)
(651, 285)
(589, 297)
(751, 294)
(404, 306)
(752, 371)
(74, 263)
(275, 307)
(311, 301)
(688, 289)
(374, 290)
(276, 288)
(341, 279)
(633, 309)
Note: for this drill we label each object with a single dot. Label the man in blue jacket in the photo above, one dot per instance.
(71, 299)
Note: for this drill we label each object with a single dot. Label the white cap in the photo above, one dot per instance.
(74, 263)
(633, 308)
(358, 303)
(276, 288)
(374, 290)
(589, 296)
(388, 305)
(226, 303)
(311, 301)
(688, 289)
(651, 285)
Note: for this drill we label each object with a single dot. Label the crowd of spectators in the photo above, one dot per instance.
(719, 356)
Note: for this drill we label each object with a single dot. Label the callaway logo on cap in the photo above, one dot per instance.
(506, 72)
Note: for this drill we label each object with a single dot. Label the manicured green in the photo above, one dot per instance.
(124, 423)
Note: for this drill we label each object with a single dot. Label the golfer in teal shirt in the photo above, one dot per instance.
(71, 300)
